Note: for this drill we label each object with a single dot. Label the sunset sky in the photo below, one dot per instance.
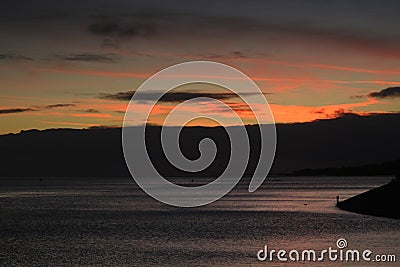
(75, 64)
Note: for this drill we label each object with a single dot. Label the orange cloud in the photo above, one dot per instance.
(254, 78)
(70, 123)
(282, 113)
(314, 65)
(92, 115)
(293, 113)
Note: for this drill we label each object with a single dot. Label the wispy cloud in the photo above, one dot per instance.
(100, 58)
(14, 57)
(232, 55)
(34, 108)
(95, 73)
(90, 110)
(57, 106)
(120, 27)
(15, 110)
(110, 43)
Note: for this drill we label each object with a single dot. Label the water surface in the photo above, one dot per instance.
(111, 222)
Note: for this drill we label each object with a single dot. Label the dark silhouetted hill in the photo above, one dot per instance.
(381, 201)
(350, 140)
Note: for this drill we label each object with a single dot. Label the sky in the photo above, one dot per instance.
(75, 64)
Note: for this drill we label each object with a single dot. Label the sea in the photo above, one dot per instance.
(112, 222)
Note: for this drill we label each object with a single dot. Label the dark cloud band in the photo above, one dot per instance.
(389, 92)
(169, 97)
(57, 106)
(108, 58)
(15, 110)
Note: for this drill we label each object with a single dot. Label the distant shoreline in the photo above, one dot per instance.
(385, 168)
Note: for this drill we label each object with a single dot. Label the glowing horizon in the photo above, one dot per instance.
(55, 71)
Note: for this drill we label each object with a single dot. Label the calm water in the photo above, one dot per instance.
(111, 222)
